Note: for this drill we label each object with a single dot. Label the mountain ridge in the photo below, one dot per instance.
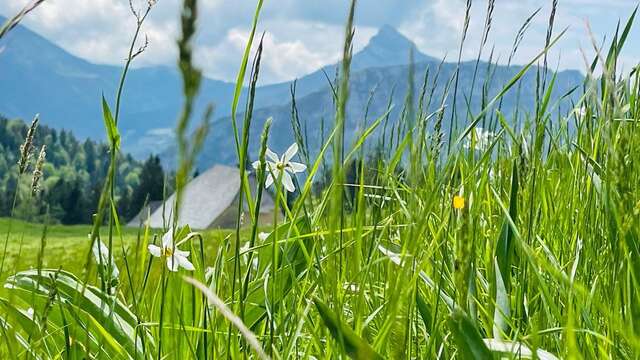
(66, 90)
(390, 84)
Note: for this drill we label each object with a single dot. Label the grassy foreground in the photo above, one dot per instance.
(67, 246)
(517, 240)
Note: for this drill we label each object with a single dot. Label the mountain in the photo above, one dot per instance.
(387, 48)
(37, 76)
(372, 89)
(380, 74)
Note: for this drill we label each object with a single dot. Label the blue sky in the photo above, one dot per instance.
(302, 35)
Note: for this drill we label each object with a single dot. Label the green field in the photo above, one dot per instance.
(67, 247)
(64, 246)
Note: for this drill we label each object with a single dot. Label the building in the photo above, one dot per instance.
(209, 201)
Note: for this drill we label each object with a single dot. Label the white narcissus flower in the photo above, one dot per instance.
(103, 257)
(383, 199)
(283, 166)
(351, 287)
(175, 257)
(483, 139)
(582, 112)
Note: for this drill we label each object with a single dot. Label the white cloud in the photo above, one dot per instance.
(97, 30)
(437, 28)
(292, 50)
(301, 36)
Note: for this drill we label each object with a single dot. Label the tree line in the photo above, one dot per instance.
(72, 178)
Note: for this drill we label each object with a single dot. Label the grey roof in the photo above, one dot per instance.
(206, 198)
(144, 213)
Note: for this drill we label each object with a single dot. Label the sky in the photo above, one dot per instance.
(303, 35)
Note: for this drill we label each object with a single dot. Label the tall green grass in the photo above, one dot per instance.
(537, 257)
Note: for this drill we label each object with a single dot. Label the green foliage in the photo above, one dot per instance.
(467, 337)
(73, 174)
(110, 322)
(151, 187)
(345, 337)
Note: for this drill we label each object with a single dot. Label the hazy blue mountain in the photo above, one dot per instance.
(387, 48)
(37, 76)
(384, 85)
(375, 87)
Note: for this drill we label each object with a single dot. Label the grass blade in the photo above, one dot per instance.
(355, 347)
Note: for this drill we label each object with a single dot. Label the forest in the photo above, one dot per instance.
(72, 177)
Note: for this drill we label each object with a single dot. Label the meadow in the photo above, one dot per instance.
(67, 246)
(501, 236)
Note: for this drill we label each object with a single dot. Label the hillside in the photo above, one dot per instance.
(37, 76)
(384, 85)
(72, 175)
(66, 91)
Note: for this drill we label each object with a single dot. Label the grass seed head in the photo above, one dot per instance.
(37, 172)
(26, 149)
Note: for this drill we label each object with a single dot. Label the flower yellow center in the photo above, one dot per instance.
(167, 252)
(458, 202)
(280, 166)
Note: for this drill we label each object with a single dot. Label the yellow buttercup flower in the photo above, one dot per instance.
(458, 202)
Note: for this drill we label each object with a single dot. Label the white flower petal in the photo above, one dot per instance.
(272, 156)
(263, 236)
(271, 166)
(167, 239)
(290, 153)
(288, 182)
(297, 167)
(268, 181)
(351, 287)
(256, 164)
(179, 252)
(245, 248)
(155, 250)
(173, 263)
(30, 312)
(100, 252)
(185, 263)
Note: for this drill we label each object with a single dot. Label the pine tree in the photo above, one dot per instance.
(151, 185)
(125, 210)
(76, 168)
